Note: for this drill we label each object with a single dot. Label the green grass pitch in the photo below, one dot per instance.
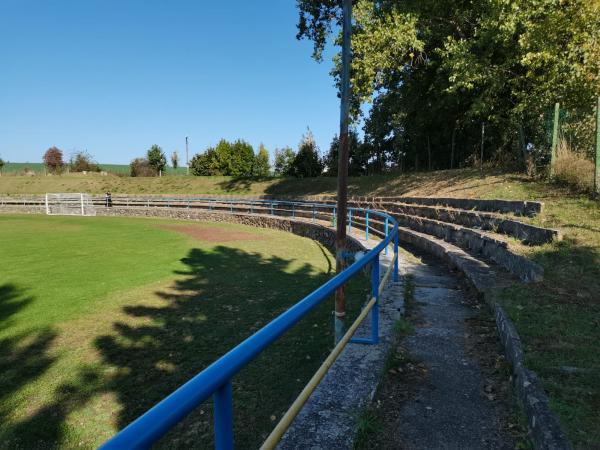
(101, 317)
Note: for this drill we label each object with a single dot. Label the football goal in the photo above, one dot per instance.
(70, 204)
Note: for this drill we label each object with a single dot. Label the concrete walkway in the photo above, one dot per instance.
(449, 410)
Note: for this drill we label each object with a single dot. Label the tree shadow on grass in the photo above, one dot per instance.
(23, 358)
(222, 297)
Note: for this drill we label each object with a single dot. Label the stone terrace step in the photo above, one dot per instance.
(473, 241)
(517, 207)
(528, 234)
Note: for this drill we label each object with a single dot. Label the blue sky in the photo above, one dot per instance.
(114, 77)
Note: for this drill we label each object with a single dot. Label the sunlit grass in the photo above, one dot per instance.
(100, 318)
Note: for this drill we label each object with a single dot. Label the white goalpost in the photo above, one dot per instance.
(70, 204)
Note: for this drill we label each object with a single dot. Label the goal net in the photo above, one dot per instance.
(70, 204)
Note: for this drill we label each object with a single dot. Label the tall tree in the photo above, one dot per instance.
(261, 163)
(306, 162)
(436, 70)
(359, 154)
(157, 159)
(284, 158)
(175, 159)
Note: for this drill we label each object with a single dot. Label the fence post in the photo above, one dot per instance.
(367, 226)
(350, 221)
(387, 226)
(554, 138)
(597, 172)
(396, 255)
(313, 212)
(272, 209)
(223, 407)
(375, 293)
(333, 217)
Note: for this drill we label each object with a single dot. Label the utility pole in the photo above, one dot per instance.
(342, 193)
(187, 156)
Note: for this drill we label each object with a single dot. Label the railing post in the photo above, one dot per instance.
(375, 293)
(272, 209)
(350, 221)
(231, 206)
(367, 226)
(293, 210)
(333, 221)
(313, 212)
(386, 233)
(396, 277)
(223, 407)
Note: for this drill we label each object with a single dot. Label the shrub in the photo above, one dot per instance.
(140, 167)
(83, 162)
(573, 168)
(53, 160)
(1, 165)
(205, 164)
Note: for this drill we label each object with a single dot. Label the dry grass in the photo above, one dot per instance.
(573, 168)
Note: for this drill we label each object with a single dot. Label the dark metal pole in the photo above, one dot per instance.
(342, 194)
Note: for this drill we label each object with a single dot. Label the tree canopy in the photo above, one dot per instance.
(434, 71)
(157, 159)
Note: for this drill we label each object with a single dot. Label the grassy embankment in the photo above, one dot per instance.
(100, 318)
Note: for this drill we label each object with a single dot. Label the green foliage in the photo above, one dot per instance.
(205, 164)
(306, 162)
(261, 166)
(231, 159)
(1, 164)
(83, 162)
(358, 152)
(157, 159)
(436, 70)
(284, 158)
(235, 159)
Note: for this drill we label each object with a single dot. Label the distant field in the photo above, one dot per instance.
(102, 317)
(18, 168)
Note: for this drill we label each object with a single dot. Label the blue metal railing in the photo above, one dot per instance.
(216, 379)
